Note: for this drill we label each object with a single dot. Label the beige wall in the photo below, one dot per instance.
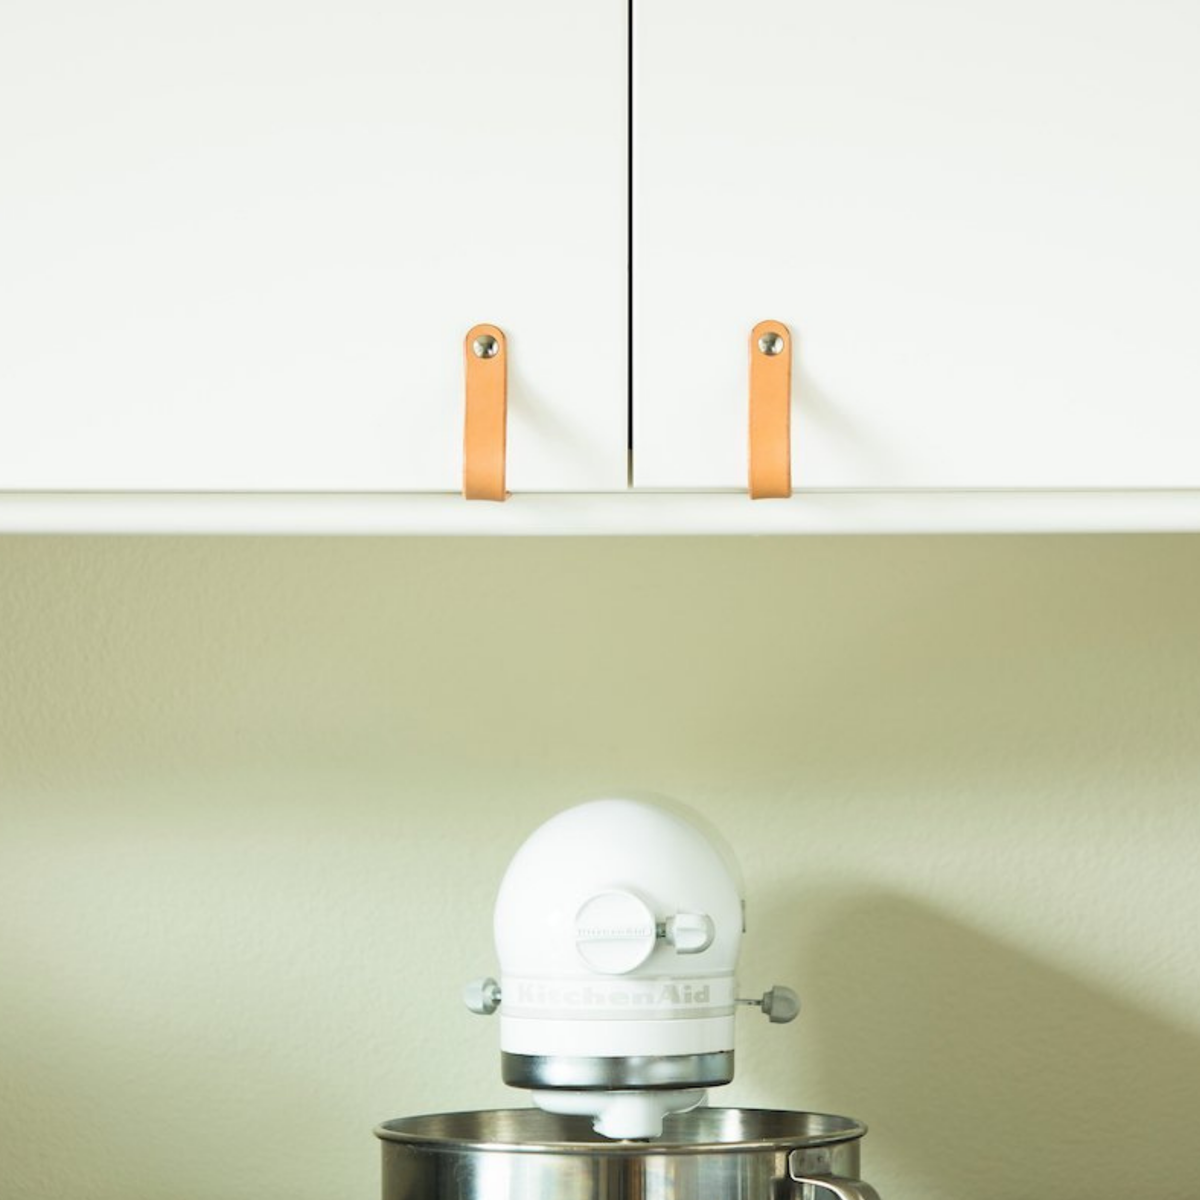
(255, 797)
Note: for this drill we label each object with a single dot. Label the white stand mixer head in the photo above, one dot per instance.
(618, 926)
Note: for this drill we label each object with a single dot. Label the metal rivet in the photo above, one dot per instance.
(771, 344)
(485, 346)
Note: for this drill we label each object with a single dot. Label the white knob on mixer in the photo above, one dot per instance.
(690, 933)
(482, 996)
(615, 932)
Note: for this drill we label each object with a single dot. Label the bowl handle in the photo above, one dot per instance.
(835, 1185)
(843, 1189)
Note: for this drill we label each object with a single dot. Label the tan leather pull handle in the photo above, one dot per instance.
(486, 420)
(770, 411)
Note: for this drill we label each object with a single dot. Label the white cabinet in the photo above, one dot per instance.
(981, 220)
(241, 241)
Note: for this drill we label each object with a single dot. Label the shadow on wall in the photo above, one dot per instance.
(988, 1074)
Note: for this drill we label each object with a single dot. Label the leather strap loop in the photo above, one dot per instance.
(485, 354)
(770, 411)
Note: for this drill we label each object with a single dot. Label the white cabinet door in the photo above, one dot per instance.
(241, 240)
(980, 218)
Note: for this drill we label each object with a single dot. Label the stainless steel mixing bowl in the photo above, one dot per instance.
(706, 1154)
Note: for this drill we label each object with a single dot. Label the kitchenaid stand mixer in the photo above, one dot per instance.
(618, 926)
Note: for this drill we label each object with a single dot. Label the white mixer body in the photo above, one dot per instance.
(618, 926)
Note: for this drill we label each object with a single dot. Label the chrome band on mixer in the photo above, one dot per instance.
(646, 1071)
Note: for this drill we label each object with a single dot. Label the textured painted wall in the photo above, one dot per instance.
(255, 798)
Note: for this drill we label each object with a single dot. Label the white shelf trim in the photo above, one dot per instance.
(624, 514)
